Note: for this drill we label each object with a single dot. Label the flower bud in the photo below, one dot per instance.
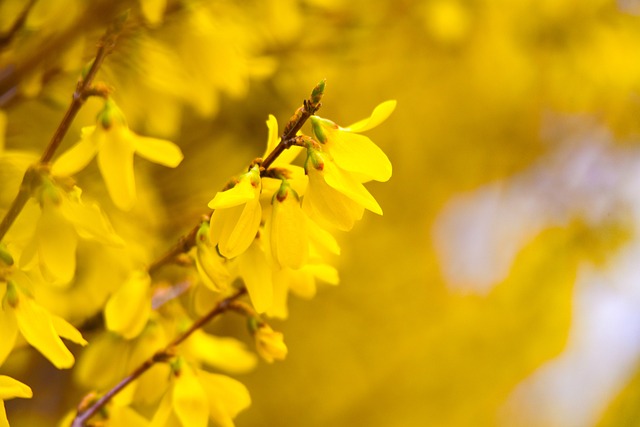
(270, 344)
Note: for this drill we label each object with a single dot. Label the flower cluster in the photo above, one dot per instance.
(270, 233)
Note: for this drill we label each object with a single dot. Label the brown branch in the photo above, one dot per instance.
(5, 39)
(159, 356)
(82, 92)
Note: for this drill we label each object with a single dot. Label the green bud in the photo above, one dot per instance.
(110, 114)
(253, 325)
(5, 256)
(318, 131)
(318, 91)
(203, 233)
(11, 297)
(315, 157)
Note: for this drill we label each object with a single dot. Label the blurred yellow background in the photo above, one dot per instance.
(502, 284)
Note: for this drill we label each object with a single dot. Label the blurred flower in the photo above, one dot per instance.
(270, 344)
(237, 215)
(64, 218)
(41, 329)
(128, 309)
(115, 144)
(196, 396)
(10, 388)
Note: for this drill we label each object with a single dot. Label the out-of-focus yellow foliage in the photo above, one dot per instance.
(501, 286)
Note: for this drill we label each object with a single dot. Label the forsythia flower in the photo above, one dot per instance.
(128, 309)
(115, 144)
(288, 234)
(210, 265)
(270, 344)
(41, 329)
(237, 215)
(196, 396)
(338, 167)
(10, 388)
(64, 218)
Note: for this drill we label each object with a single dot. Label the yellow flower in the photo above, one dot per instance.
(270, 344)
(227, 354)
(128, 309)
(10, 388)
(352, 152)
(288, 233)
(64, 218)
(255, 270)
(334, 198)
(237, 215)
(115, 144)
(210, 265)
(196, 396)
(41, 329)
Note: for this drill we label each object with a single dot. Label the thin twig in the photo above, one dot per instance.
(162, 355)
(83, 90)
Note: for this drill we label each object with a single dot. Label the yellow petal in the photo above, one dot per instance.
(358, 154)
(243, 192)
(234, 229)
(78, 157)
(211, 269)
(67, 330)
(9, 329)
(125, 416)
(270, 344)
(273, 137)
(327, 206)
(89, 221)
(115, 160)
(227, 397)
(4, 422)
(288, 234)
(163, 412)
(324, 273)
(153, 10)
(10, 388)
(57, 242)
(92, 371)
(280, 279)
(227, 354)
(256, 272)
(189, 399)
(379, 115)
(36, 327)
(350, 187)
(128, 309)
(321, 239)
(158, 151)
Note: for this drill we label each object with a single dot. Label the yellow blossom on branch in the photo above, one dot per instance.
(270, 344)
(39, 327)
(115, 144)
(237, 215)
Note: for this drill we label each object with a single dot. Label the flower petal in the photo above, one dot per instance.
(57, 242)
(9, 329)
(36, 327)
(158, 151)
(358, 154)
(234, 229)
(289, 241)
(10, 388)
(242, 192)
(128, 309)
(67, 330)
(227, 354)
(256, 272)
(329, 207)
(227, 397)
(78, 156)
(350, 187)
(115, 160)
(189, 399)
(379, 115)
